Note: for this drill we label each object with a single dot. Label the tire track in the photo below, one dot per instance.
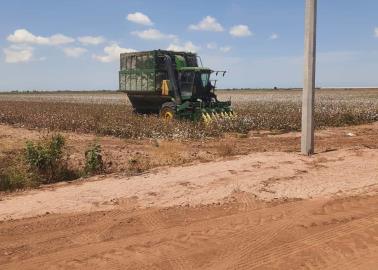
(242, 218)
(229, 240)
(272, 255)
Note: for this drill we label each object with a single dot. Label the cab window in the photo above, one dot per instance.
(205, 79)
(186, 83)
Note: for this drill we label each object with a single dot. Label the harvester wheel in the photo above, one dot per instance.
(168, 111)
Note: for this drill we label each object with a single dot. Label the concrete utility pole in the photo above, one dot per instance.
(307, 140)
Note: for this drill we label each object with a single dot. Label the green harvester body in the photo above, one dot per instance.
(170, 83)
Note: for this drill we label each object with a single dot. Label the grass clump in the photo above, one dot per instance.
(47, 161)
(41, 162)
(13, 178)
(14, 172)
(93, 159)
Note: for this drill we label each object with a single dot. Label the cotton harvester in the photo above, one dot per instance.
(171, 84)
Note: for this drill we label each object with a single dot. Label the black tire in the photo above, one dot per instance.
(168, 111)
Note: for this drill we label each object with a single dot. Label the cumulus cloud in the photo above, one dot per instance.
(74, 52)
(60, 39)
(139, 18)
(91, 40)
(18, 54)
(274, 36)
(23, 36)
(187, 46)
(112, 53)
(207, 24)
(376, 32)
(240, 30)
(153, 34)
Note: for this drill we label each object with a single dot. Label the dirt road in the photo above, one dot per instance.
(245, 234)
(260, 211)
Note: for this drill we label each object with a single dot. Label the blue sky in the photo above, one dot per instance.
(72, 44)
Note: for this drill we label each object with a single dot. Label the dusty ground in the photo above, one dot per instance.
(267, 176)
(261, 210)
(310, 234)
(148, 154)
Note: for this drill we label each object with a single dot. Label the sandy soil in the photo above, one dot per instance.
(262, 210)
(333, 233)
(267, 176)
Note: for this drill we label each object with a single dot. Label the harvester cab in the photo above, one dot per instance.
(195, 84)
(171, 84)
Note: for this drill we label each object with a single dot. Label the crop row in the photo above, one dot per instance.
(119, 120)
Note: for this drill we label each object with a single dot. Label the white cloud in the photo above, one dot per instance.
(139, 18)
(240, 30)
(91, 40)
(153, 34)
(75, 52)
(23, 36)
(18, 54)
(112, 53)
(225, 49)
(376, 32)
(274, 36)
(187, 46)
(207, 24)
(60, 39)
